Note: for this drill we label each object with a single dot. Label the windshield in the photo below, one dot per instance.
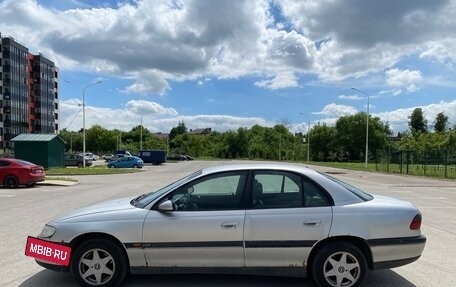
(23, 162)
(356, 191)
(145, 199)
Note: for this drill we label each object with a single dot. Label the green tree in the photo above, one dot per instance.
(179, 130)
(351, 136)
(441, 122)
(322, 142)
(418, 122)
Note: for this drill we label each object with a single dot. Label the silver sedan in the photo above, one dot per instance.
(273, 219)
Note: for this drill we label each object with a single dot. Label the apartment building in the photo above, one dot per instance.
(29, 98)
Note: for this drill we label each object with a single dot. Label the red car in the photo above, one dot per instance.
(15, 172)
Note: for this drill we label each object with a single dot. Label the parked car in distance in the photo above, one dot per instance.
(90, 156)
(261, 218)
(155, 157)
(107, 156)
(126, 162)
(178, 157)
(123, 152)
(116, 157)
(15, 172)
(76, 160)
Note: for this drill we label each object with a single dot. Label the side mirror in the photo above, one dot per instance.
(166, 206)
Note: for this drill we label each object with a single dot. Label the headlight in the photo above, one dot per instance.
(47, 231)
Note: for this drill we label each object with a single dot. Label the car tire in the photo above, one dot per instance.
(339, 264)
(80, 164)
(135, 166)
(98, 262)
(111, 166)
(31, 184)
(10, 181)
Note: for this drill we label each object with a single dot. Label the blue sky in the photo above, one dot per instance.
(231, 64)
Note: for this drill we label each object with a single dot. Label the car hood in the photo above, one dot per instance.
(118, 206)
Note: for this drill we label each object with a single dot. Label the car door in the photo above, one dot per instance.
(288, 214)
(206, 227)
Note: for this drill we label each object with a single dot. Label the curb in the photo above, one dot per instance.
(58, 183)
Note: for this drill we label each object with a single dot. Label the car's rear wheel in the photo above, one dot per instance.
(339, 264)
(98, 262)
(111, 166)
(80, 164)
(10, 181)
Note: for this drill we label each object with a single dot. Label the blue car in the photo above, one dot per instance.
(128, 161)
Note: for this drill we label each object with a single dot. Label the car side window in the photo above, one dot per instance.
(4, 163)
(272, 189)
(313, 195)
(222, 191)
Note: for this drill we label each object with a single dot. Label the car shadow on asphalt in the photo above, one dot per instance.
(373, 279)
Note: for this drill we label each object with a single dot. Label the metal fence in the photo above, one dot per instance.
(437, 163)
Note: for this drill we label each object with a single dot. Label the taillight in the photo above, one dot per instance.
(416, 222)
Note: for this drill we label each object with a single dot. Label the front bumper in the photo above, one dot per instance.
(53, 267)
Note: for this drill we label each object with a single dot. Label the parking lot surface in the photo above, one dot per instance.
(24, 211)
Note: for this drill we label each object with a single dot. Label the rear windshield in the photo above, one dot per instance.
(356, 191)
(23, 162)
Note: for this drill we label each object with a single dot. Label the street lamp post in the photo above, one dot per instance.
(83, 119)
(83, 123)
(308, 138)
(367, 127)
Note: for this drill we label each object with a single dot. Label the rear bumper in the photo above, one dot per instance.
(395, 252)
(32, 178)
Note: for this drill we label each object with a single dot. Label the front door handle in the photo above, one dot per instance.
(230, 225)
(312, 222)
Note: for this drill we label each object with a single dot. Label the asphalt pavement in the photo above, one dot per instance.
(24, 211)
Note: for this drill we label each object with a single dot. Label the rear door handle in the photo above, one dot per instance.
(230, 225)
(312, 222)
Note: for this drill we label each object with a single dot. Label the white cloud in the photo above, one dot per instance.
(403, 78)
(155, 117)
(143, 107)
(187, 40)
(334, 110)
(398, 119)
(280, 81)
(350, 97)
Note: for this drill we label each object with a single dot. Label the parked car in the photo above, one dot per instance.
(76, 160)
(90, 156)
(107, 156)
(116, 157)
(15, 172)
(127, 161)
(260, 218)
(178, 157)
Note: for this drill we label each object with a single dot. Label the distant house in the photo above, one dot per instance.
(200, 132)
(161, 135)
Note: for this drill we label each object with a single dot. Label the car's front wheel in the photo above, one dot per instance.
(98, 262)
(111, 166)
(339, 264)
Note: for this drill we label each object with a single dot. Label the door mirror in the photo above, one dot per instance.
(167, 206)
